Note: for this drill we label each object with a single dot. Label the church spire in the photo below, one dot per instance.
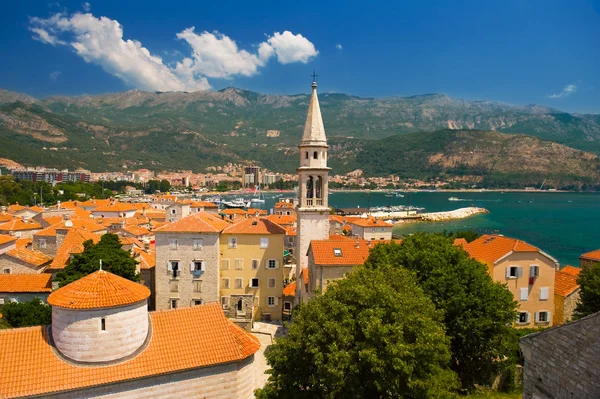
(314, 131)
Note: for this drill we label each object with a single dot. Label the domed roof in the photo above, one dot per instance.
(100, 289)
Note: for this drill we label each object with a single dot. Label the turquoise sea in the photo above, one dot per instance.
(565, 225)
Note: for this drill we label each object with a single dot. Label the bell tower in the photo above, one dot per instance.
(313, 175)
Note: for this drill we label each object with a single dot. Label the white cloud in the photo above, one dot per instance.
(54, 75)
(291, 48)
(338, 46)
(213, 55)
(566, 91)
(86, 6)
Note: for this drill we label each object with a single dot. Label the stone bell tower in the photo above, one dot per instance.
(313, 175)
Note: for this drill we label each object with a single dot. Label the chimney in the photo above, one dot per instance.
(58, 204)
(356, 245)
(25, 219)
(66, 216)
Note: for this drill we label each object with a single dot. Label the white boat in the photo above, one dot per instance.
(453, 199)
(235, 203)
(259, 197)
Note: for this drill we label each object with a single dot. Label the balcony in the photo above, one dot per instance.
(309, 202)
(319, 201)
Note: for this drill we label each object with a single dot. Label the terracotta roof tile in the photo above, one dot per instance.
(282, 220)
(291, 231)
(78, 224)
(26, 283)
(255, 211)
(20, 225)
(53, 219)
(203, 204)
(565, 280)
(490, 248)
(287, 205)
(5, 238)
(116, 207)
(5, 217)
(233, 211)
(94, 203)
(344, 252)
(100, 289)
(147, 259)
(72, 244)
(137, 231)
(14, 208)
(254, 226)
(34, 258)
(594, 255)
(200, 222)
(290, 289)
(370, 222)
(340, 237)
(459, 242)
(24, 242)
(36, 370)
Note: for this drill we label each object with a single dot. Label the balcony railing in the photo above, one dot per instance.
(319, 201)
(309, 202)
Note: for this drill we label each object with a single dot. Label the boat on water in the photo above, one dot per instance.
(214, 199)
(259, 197)
(236, 203)
(453, 199)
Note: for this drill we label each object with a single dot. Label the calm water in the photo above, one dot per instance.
(565, 225)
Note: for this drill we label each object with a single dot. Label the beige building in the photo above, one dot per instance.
(128, 352)
(371, 229)
(187, 261)
(252, 270)
(528, 272)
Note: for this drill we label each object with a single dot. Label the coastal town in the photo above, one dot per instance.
(217, 281)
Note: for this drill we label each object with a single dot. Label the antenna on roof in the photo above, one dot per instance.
(100, 264)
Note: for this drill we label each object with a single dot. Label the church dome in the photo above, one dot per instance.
(100, 289)
(100, 318)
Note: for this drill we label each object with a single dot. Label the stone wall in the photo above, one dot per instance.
(565, 307)
(78, 334)
(228, 381)
(184, 294)
(17, 266)
(562, 362)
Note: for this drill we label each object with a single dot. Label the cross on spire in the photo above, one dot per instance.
(314, 76)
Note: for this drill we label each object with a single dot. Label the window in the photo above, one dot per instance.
(523, 294)
(373, 230)
(287, 306)
(271, 282)
(174, 286)
(225, 264)
(514, 272)
(197, 267)
(239, 282)
(255, 263)
(523, 318)
(225, 302)
(337, 251)
(225, 282)
(264, 242)
(173, 303)
(542, 317)
(42, 243)
(103, 324)
(253, 283)
(6, 271)
(173, 211)
(544, 294)
(272, 264)
(290, 240)
(174, 268)
(197, 244)
(306, 154)
(232, 242)
(197, 302)
(173, 244)
(271, 301)
(197, 285)
(239, 264)
(315, 155)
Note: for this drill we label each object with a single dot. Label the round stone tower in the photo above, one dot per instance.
(99, 318)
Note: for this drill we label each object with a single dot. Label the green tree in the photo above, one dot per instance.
(374, 334)
(164, 186)
(114, 259)
(26, 314)
(468, 235)
(589, 297)
(478, 312)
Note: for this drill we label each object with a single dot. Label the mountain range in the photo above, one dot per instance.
(179, 130)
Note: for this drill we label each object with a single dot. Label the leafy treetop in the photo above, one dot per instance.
(589, 297)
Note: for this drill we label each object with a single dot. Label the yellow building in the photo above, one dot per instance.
(528, 272)
(252, 270)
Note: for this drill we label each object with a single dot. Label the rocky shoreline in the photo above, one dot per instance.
(460, 213)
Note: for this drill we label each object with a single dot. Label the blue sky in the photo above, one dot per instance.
(515, 51)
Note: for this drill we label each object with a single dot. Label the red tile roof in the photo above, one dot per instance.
(459, 242)
(26, 283)
(34, 258)
(282, 204)
(283, 220)
(291, 231)
(4, 239)
(565, 280)
(290, 289)
(116, 207)
(5, 217)
(234, 211)
(20, 225)
(203, 204)
(369, 222)
(72, 244)
(594, 255)
(256, 211)
(254, 226)
(353, 252)
(136, 231)
(36, 370)
(79, 224)
(200, 222)
(490, 248)
(100, 289)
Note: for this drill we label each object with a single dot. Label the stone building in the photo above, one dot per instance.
(24, 287)
(187, 261)
(103, 342)
(527, 271)
(371, 229)
(20, 260)
(562, 362)
(312, 211)
(22, 228)
(177, 210)
(252, 270)
(589, 258)
(566, 294)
